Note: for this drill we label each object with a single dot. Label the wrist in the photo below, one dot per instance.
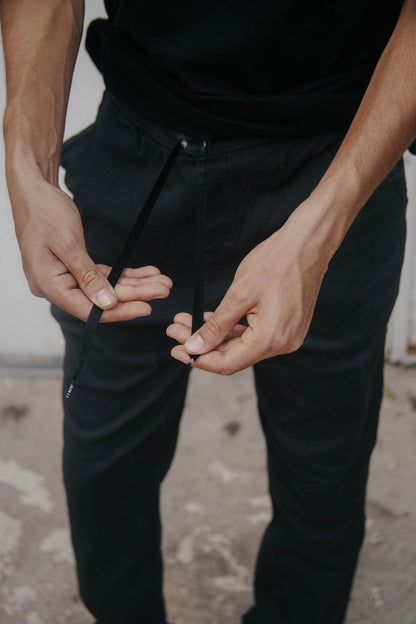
(324, 218)
(319, 224)
(31, 148)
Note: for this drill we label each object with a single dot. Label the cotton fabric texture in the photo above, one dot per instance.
(260, 67)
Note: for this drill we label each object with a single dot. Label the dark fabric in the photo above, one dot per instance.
(318, 406)
(122, 261)
(262, 67)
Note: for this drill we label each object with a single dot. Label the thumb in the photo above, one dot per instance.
(218, 326)
(91, 280)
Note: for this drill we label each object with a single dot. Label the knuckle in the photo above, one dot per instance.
(163, 292)
(88, 278)
(34, 288)
(68, 245)
(241, 294)
(166, 281)
(160, 289)
(213, 326)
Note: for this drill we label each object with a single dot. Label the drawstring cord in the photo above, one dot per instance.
(127, 249)
(123, 259)
(199, 279)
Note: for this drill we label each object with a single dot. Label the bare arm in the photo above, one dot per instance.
(41, 41)
(382, 129)
(296, 256)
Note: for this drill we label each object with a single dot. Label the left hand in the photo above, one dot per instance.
(275, 287)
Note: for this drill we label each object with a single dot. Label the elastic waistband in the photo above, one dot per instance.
(168, 136)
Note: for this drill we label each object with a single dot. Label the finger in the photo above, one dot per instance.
(232, 339)
(133, 281)
(74, 301)
(141, 292)
(140, 272)
(181, 332)
(126, 311)
(89, 278)
(62, 289)
(186, 319)
(120, 312)
(242, 352)
(249, 349)
(146, 271)
(183, 318)
(231, 309)
(240, 355)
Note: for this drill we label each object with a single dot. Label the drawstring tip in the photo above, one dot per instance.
(69, 391)
(192, 360)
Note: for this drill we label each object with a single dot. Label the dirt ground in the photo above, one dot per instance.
(215, 507)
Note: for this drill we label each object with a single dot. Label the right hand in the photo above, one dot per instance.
(56, 263)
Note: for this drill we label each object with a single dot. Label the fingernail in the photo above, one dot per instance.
(104, 297)
(195, 344)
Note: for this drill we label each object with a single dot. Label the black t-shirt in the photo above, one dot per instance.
(241, 67)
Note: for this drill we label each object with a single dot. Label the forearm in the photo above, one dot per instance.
(384, 126)
(41, 41)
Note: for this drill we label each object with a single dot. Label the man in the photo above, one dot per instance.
(268, 132)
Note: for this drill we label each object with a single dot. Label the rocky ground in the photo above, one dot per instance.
(214, 503)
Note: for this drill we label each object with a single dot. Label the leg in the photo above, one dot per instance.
(319, 411)
(318, 455)
(120, 431)
(121, 423)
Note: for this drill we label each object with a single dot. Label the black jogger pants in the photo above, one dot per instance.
(318, 406)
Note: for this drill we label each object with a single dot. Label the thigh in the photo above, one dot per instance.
(128, 397)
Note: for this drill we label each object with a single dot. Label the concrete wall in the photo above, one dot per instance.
(28, 335)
